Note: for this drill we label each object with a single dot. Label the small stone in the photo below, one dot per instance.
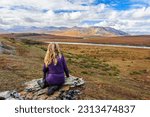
(37, 88)
(5, 94)
(35, 97)
(15, 95)
(28, 89)
(23, 94)
(42, 97)
(42, 91)
(65, 88)
(51, 98)
(29, 96)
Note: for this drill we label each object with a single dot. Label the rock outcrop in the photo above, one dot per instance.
(33, 91)
(6, 49)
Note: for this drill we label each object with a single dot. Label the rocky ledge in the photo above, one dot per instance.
(7, 49)
(32, 91)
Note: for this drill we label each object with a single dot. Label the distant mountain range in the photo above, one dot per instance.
(89, 31)
(65, 31)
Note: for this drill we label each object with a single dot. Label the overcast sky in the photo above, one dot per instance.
(131, 16)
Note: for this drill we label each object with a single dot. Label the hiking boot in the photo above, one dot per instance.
(52, 89)
(42, 83)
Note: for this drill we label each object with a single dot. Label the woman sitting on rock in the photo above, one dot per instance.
(54, 68)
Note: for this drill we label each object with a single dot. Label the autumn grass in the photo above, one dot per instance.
(16, 69)
(109, 72)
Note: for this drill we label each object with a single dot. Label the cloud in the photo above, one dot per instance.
(43, 13)
(81, 1)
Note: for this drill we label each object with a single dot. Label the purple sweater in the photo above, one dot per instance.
(54, 74)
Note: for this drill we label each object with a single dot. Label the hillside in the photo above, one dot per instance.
(73, 31)
(89, 31)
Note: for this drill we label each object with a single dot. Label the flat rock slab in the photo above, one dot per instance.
(33, 91)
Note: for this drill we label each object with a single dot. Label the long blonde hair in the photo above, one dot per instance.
(53, 52)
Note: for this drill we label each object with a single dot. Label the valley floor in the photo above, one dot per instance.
(109, 72)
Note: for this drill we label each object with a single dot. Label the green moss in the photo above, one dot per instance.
(139, 72)
(84, 72)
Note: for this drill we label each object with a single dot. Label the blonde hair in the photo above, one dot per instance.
(53, 52)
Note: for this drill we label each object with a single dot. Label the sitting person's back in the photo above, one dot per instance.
(54, 67)
(54, 74)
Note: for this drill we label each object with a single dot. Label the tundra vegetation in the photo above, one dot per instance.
(109, 72)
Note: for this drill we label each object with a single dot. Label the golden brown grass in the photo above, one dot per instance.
(126, 40)
(16, 69)
(109, 72)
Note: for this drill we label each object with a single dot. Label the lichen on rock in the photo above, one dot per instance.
(32, 91)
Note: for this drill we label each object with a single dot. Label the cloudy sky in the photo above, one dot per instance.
(132, 16)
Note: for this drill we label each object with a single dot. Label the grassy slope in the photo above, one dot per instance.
(25, 65)
(110, 73)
